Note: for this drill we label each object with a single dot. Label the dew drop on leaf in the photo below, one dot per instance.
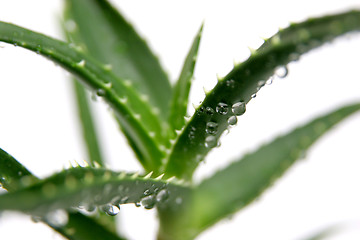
(70, 25)
(230, 83)
(162, 196)
(146, 192)
(137, 204)
(238, 108)
(178, 200)
(232, 120)
(210, 141)
(281, 71)
(100, 92)
(270, 80)
(211, 127)
(110, 210)
(57, 218)
(149, 201)
(209, 111)
(36, 219)
(222, 108)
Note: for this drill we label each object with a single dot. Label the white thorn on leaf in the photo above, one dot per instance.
(81, 63)
(135, 175)
(148, 175)
(252, 50)
(122, 175)
(173, 178)
(96, 165)
(107, 175)
(206, 91)
(160, 177)
(219, 78)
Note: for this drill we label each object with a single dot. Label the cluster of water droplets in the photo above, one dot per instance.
(158, 197)
(211, 129)
(150, 198)
(56, 218)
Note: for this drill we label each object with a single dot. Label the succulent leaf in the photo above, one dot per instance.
(112, 40)
(88, 187)
(13, 176)
(182, 88)
(228, 99)
(138, 123)
(232, 188)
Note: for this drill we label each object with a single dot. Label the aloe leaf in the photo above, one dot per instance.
(80, 227)
(139, 123)
(112, 40)
(11, 171)
(90, 187)
(227, 100)
(180, 97)
(232, 188)
(88, 126)
(324, 233)
(13, 176)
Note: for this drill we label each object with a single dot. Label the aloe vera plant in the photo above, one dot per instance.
(108, 58)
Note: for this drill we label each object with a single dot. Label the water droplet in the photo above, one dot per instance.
(57, 218)
(294, 56)
(178, 200)
(137, 204)
(230, 83)
(281, 71)
(261, 84)
(162, 196)
(253, 95)
(211, 127)
(90, 208)
(146, 192)
(191, 134)
(38, 49)
(270, 80)
(36, 219)
(238, 108)
(222, 108)
(100, 92)
(210, 141)
(110, 210)
(232, 120)
(70, 25)
(209, 111)
(149, 201)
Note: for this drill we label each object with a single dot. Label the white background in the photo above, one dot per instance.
(38, 126)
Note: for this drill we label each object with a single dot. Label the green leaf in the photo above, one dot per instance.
(112, 40)
(179, 101)
(90, 187)
(324, 233)
(134, 113)
(11, 171)
(80, 227)
(227, 99)
(13, 176)
(243, 181)
(87, 124)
